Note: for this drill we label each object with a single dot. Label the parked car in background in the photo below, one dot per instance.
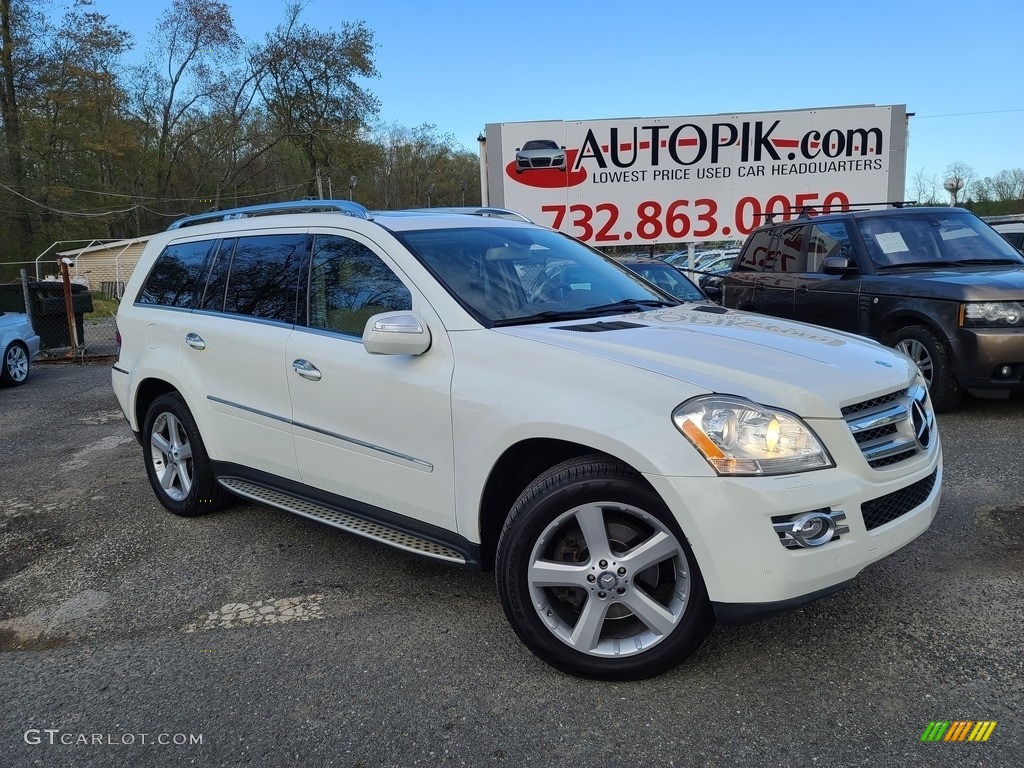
(936, 283)
(540, 153)
(493, 394)
(1011, 227)
(666, 277)
(20, 345)
(701, 259)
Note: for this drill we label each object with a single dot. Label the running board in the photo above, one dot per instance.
(344, 521)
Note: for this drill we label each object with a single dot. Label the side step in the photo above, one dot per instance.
(342, 520)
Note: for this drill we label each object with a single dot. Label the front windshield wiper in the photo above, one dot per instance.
(618, 307)
(915, 264)
(968, 262)
(948, 263)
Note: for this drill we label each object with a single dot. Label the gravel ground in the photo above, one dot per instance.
(260, 638)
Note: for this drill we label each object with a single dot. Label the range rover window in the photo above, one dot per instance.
(929, 238)
(175, 276)
(263, 278)
(787, 250)
(756, 252)
(348, 284)
(828, 239)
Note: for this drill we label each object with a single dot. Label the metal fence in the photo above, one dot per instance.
(72, 321)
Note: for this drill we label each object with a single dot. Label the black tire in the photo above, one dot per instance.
(924, 347)
(177, 463)
(15, 365)
(585, 622)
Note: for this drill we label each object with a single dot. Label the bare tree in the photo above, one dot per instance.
(925, 189)
(191, 37)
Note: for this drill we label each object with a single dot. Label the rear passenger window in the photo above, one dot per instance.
(348, 283)
(262, 279)
(787, 251)
(174, 280)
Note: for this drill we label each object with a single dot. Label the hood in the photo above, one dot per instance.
(960, 284)
(794, 366)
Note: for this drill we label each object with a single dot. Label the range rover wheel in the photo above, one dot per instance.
(924, 347)
(178, 466)
(14, 366)
(595, 576)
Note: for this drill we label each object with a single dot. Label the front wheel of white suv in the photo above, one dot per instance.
(178, 466)
(595, 576)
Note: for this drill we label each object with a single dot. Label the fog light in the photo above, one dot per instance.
(1005, 371)
(810, 529)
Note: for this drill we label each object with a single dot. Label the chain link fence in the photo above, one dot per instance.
(72, 318)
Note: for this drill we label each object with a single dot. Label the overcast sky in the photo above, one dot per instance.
(460, 65)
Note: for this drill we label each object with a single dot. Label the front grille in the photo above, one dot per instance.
(868, 404)
(887, 508)
(542, 162)
(893, 427)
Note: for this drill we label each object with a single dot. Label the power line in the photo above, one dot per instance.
(966, 114)
(137, 206)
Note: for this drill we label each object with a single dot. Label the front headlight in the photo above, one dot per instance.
(740, 437)
(992, 314)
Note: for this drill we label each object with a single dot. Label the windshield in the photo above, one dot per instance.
(505, 274)
(953, 237)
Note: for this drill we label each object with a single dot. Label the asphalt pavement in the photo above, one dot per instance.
(251, 637)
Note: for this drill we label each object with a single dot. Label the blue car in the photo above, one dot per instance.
(20, 345)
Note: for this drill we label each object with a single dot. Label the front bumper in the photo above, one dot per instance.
(981, 355)
(747, 569)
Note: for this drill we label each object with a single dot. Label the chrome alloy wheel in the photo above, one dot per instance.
(16, 363)
(918, 352)
(609, 579)
(172, 456)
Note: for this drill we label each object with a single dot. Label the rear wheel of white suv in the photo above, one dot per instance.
(178, 466)
(595, 576)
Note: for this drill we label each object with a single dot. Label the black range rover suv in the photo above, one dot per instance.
(939, 284)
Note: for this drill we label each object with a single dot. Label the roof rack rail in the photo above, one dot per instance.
(345, 207)
(476, 210)
(805, 211)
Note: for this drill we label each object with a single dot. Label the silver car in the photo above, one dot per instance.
(540, 153)
(20, 345)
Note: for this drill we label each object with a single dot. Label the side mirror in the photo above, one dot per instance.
(396, 333)
(714, 292)
(838, 265)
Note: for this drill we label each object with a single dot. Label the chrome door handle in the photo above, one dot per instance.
(195, 341)
(307, 370)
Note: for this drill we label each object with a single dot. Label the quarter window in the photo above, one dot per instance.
(348, 283)
(175, 276)
(755, 254)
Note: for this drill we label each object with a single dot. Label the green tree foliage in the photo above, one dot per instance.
(311, 86)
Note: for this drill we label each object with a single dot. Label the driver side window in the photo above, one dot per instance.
(348, 284)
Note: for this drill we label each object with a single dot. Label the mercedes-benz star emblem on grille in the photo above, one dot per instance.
(922, 430)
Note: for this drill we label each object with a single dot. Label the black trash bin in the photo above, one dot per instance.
(49, 317)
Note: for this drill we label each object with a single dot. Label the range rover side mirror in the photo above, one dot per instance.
(838, 265)
(396, 333)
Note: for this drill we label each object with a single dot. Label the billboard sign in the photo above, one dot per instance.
(640, 181)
